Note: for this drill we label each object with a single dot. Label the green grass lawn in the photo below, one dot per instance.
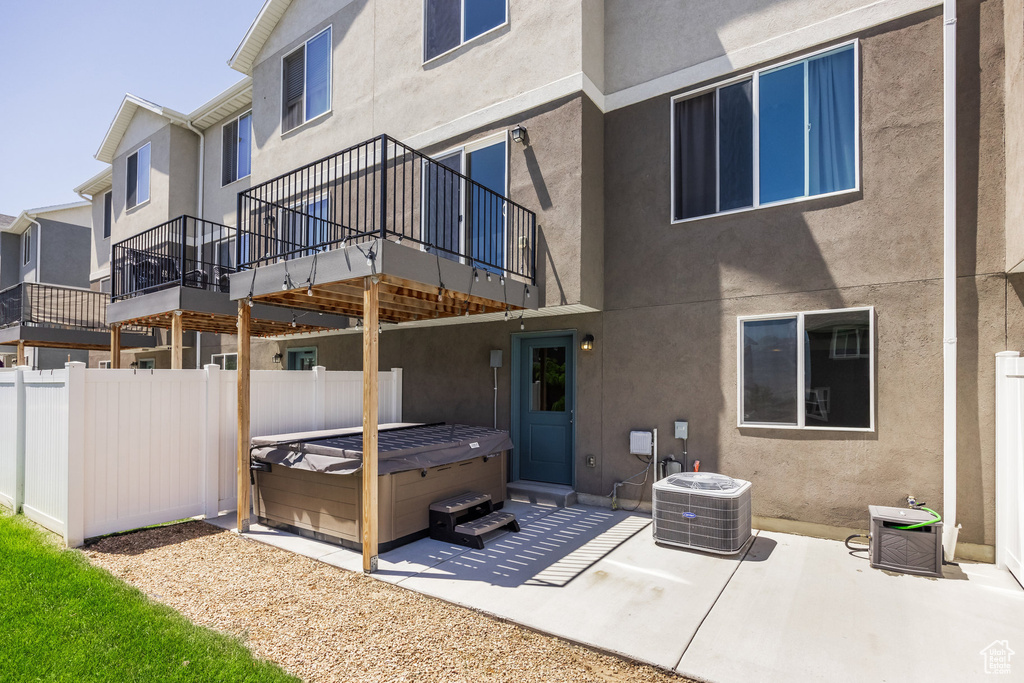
(63, 619)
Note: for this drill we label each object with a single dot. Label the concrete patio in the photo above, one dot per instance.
(790, 608)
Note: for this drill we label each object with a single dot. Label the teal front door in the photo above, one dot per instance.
(547, 408)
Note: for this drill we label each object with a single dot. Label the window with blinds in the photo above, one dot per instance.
(450, 23)
(236, 149)
(306, 81)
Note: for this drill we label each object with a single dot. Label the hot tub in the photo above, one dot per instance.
(314, 483)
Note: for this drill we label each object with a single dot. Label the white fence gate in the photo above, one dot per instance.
(1010, 462)
(92, 452)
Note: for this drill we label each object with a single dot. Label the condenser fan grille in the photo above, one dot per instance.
(704, 481)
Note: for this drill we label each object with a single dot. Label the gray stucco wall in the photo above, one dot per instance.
(99, 245)
(128, 222)
(183, 167)
(380, 84)
(65, 253)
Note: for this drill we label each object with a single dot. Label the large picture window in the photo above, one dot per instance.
(779, 134)
(236, 149)
(450, 23)
(137, 183)
(306, 81)
(808, 370)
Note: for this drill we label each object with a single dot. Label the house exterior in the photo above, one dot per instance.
(42, 247)
(742, 207)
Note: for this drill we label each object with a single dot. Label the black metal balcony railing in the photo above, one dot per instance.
(56, 306)
(384, 189)
(184, 251)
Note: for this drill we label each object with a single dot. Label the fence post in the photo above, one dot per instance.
(396, 397)
(320, 397)
(211, 443)
(1008, 443)
(19, 447)
(74, 483)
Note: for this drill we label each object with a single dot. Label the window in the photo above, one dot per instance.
(104, 365)
(306, 81)
(146, 363)
(450, 23)
(137, 190)
(26, 246)
(227, 361)
(236, 149)
(777, 135)
(461, 220)
(307, 228)
(808, 370)
(302, 359)
(108, 212)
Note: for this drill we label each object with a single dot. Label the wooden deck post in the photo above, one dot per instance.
(371, 348)
(21, 354)
(244, 313)
(176, 340)
(115, 346)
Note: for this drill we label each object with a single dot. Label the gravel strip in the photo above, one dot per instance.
(327, 624)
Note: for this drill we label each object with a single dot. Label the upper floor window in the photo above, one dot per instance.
(236, 149)
(808, 370)
(777, 135)
(108, 211)
(137, 183)
(306, 81)
(450, 23)
(26, 246)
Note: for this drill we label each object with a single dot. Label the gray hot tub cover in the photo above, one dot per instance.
(400, 447)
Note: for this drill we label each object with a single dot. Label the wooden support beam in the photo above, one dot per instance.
(244, 315)
(21, 354)
(371, 349)
(115, 346)
(176, 340)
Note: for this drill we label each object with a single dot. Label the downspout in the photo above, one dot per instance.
(199, 214)
(950, 528)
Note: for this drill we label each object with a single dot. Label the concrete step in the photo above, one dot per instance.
(541, 493)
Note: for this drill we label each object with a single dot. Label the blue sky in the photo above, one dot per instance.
(65, 66)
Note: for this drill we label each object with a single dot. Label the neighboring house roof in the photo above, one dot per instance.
(228, 102)
(25, 218)
(5, 220)
(99, 183)
(129, 105)
(255, 38)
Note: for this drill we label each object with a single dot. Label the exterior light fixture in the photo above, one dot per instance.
(519, 134)
(278, 358)
(588, 343)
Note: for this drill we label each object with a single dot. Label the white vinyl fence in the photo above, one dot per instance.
(87, 452)
(1010, 462)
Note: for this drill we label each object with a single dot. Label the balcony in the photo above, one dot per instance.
(56, 316)
(442, 243)
(183, 252)
(177, 272)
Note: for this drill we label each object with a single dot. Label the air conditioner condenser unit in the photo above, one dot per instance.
(703, 511)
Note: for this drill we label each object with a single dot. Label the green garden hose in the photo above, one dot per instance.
(938, 518)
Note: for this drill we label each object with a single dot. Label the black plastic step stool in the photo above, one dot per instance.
(464, 519)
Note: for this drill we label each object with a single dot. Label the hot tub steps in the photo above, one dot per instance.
(466, 518)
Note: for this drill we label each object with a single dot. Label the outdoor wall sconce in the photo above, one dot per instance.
(588, 343)
(277, 358)
(519, 135)
(134, 365)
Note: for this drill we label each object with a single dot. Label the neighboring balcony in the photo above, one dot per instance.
(179, 269)
(443, 243)
(55, 316)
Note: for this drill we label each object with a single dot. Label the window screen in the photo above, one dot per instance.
(318, 75)
(294, 79)
(229, 156)
(108, 211)
(449, 23)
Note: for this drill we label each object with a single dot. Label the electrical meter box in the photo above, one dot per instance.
(641, 443)
(682, 429)
(913, 551)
